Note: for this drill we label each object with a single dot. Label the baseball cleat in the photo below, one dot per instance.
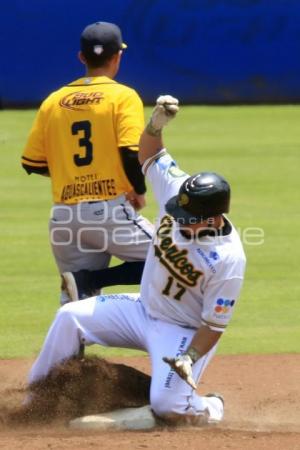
(216, 395)
(77, 285)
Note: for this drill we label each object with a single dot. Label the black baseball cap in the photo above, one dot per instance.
(101, 38)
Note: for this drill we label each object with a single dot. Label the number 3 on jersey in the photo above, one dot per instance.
(176, 291)
(84, 141)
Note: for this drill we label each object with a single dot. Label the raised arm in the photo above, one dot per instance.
(151, 139)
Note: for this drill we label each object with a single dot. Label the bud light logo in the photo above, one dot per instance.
(223, 306)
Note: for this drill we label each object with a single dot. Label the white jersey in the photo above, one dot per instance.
(189, 282)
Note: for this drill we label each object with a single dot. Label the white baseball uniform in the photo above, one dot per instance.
(186, 283)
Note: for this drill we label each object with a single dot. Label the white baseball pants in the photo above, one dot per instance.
(121, 321)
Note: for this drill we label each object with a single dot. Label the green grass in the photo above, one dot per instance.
(256, 148)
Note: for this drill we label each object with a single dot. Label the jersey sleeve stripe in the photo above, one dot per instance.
(214, 325)
(37, 165)
(35, 161)
(150, 160)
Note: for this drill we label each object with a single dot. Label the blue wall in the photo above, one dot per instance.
(210, 51)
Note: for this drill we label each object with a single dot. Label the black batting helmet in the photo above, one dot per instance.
(203, 195)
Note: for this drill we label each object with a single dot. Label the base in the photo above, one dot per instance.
(121, 419)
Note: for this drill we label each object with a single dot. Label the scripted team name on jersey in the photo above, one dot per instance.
(78, 100)
(92, 189)
(174, 259)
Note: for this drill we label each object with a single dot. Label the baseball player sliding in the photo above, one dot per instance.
(192, 279)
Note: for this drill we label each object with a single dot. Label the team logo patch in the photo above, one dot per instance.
(223, 306)
(183, 200)
(80, 101)
(175, 172)
(207, 259)
(163, 162)
(98, 49)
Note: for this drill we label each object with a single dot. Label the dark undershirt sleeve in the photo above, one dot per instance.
(133, 169)
(38, 170)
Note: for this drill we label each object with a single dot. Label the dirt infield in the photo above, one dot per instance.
(262, 398)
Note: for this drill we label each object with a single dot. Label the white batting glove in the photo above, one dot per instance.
(165, 110)
(182, 365)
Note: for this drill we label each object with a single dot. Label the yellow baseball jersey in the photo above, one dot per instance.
(77, 135)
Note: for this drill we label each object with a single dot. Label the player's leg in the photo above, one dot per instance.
(171, 396)
(82, 281)
(129, 234)
(128, 238)
(129, 272)
(109, 320)
(78, 240)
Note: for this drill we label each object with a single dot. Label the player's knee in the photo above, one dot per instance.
(65, 309)
(164, 403)
(65, 313)
(70, 308)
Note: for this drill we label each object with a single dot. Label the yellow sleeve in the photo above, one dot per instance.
(34, 155)
(130, 120)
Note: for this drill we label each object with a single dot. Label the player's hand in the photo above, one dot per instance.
(182, 365)
(137, 201)
(166, 109)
